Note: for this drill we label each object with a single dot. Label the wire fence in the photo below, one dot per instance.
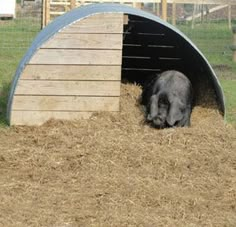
(16, 35)
(208, 26)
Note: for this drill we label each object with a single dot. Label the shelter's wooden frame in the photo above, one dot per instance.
(73, 74)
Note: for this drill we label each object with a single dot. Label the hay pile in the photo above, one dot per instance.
(114, 170)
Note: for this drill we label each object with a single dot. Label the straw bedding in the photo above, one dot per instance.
(114, 170)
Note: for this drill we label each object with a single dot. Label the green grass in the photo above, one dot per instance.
(229, 88)
(213, 39)
(15, 38)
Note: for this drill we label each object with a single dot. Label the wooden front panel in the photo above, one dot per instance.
(73, 74)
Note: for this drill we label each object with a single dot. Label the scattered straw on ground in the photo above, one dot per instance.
(114, 170)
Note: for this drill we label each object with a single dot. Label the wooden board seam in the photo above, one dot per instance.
(66, 111)
(95, 33)
(64, 48)
(70, 80)
(42, 95)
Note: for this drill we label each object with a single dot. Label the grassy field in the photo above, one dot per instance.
(212, 39)
(15, 38)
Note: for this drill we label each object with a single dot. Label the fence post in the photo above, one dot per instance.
(233, 47)
(72, 4)
(137, 5)
(229, 16)
(164, 9)
(157, 9)
(193, 16)
(46, 12)
(43, 15)
(174, 13)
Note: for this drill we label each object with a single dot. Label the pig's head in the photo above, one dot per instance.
(167, 111)
(158, 110)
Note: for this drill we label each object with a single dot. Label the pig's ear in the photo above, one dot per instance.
(153, 107)
(175, 115)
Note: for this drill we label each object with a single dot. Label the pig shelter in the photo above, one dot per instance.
(75, 65)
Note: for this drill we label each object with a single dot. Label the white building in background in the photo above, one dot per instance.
(7, 8)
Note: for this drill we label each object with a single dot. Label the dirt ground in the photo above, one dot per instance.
(114, 170)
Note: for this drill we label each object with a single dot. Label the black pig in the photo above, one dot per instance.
(168, 100)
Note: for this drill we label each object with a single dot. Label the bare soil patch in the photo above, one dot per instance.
(114, 170)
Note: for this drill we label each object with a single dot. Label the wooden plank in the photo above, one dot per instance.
(107, 16)
(40, 117)
(47, 12)
(60, 3)
(164, 9)
(94, 28)
(71, 72)
(77, 56)
(57, 13)
(43, 21)
(92, 41)
(137, 4)
(99, 23)
(72, 4)
(234, 44)
(230, 17)
(87, 88)
(174, 13)
(65, 103)
(103, 18)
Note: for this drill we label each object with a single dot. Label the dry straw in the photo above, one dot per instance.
(114, 170)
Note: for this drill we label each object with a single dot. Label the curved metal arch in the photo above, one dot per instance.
(88, 10)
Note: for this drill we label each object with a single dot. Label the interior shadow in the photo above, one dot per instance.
(150, 48)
